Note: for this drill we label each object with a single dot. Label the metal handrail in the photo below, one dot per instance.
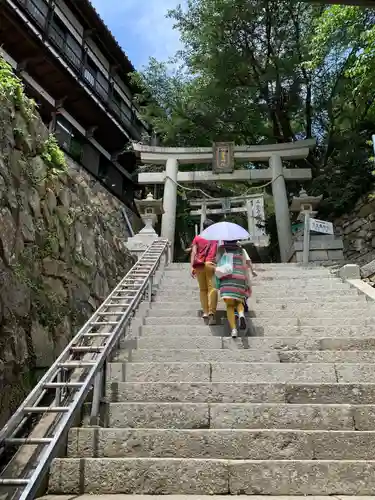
(83, 374)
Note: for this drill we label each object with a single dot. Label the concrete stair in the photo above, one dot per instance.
(286, 409)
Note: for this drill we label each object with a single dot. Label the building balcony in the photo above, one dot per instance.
(75, 56)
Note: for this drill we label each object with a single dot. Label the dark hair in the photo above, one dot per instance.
(207, 223)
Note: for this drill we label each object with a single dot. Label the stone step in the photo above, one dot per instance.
(278, 301)
(241, 416)
(265, 286)
(242, 372)
(244, 355)
(242, 392)
(200, 355)
(281, 293)
(283, 322)
(232, 444)
(184, 341)
(266, 282)
(265, 276)
(307, 310)
(258, 329)
(173, 342)
(211, 476)
(276, 305)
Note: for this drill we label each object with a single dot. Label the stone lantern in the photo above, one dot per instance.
(305, 205)
(149, 210)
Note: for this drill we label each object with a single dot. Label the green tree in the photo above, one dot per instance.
(266, 71)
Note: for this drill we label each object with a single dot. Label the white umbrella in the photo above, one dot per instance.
(225, 231)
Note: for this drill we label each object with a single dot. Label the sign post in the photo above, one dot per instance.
(321, 226)
(306, 206)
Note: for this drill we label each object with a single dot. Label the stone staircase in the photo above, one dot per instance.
(287, 409)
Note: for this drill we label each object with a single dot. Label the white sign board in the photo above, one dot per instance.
(321, 226)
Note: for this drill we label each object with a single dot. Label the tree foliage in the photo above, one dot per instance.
(269, 71)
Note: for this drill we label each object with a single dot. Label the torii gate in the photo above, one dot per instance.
(251, 204)
(223, 155)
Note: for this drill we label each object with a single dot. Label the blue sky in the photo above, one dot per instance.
(141, 28)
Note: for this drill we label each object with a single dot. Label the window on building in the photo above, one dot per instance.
(90, 71)
(116, 102)
(126, 111)
(57, 32)
(102, 85)
(60, 35)
(69, 139)
(38, 10)
(73, 50)
(96, 78)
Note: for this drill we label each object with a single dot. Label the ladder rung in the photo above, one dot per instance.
(77, 364)
(46, 409)
(112, 313)
(105, 322)
(58, 385)
(14, 482)
(122, 304)
(97, 334)
(87, 348)
(21, 441)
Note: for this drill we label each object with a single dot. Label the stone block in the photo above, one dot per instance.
(182, 341)
(342, 393)
(368, 269)
(289, 477)
(204, 355)
(210, 444)
(335, 255)
(281, 416)
(159, 327)
(353, 226)
(321, 243)
(159, 415)
(355, 373)
(158, 372)
(43, 345)
(139, 475)
(343, 445)
(273, 372)
(327, 357)
(200, 392)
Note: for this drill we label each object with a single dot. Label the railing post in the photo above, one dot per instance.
(97, 397)
(150, 283)
(59, 379)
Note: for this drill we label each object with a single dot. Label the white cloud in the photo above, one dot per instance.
(141, 24)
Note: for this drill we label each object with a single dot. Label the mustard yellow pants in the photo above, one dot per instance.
(232, 305)
(207, 291)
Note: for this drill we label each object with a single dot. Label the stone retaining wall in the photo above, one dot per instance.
(358, 232)
(62, 249)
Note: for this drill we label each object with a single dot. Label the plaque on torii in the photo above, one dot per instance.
(223, 157)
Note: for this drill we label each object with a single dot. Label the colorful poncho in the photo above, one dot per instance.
(235, 286)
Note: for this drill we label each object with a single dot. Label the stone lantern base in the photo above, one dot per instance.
(140, 242)
(323, 249)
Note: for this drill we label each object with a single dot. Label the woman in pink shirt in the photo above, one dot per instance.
(203, 265)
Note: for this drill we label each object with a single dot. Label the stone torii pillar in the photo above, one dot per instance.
(283, 224)
(168, 223)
